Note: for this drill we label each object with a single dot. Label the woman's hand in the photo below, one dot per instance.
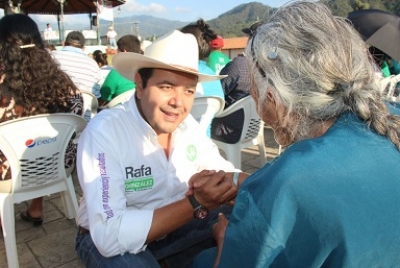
(219, 229)
(219, 233)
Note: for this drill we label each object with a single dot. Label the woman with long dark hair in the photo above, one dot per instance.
(31, 83)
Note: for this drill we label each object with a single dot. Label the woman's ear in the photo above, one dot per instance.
(270, 96)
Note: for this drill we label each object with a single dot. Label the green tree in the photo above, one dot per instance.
(340, 7)
(393, 6)
(359, 5)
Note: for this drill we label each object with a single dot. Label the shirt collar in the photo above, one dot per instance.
(73, 49)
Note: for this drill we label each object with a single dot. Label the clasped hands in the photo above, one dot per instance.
(212, 188)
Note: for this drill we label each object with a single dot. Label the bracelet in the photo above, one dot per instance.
(236, 178)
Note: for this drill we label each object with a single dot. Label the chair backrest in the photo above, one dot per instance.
(121, 98)
(388, 86)
(90, 105)
(35, 147)
(252, 122)
(205, 108)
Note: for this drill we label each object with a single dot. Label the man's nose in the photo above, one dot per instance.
(177, 97)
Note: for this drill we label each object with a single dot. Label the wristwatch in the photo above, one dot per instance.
(199, 212)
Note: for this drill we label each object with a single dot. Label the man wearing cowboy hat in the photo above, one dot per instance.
(135, 162)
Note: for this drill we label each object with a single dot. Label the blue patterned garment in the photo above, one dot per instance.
(237, 85)
(332, 201)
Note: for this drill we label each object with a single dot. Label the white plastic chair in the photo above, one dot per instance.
(388, 86)
(204, 109)
(90, 105)
(121, 98)
(252, 132)
(35, 148)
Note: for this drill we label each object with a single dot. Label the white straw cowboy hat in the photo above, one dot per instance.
(173, 51)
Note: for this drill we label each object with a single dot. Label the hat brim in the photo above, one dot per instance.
(128, 63)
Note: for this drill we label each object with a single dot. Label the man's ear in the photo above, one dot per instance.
(139, 86)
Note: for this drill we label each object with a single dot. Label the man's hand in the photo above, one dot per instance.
(198, 180)
(213, 190)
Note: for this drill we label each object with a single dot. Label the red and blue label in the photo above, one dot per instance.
(32, 143)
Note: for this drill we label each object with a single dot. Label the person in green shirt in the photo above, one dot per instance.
(217, 60)
(115, 84)
(381, 60)
(385, 69)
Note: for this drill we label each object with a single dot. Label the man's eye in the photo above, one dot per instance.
(190, 91)
(166, 87)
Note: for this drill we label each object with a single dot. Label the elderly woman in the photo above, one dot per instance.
(332, 198)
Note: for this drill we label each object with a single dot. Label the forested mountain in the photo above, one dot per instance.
(343, 7)
(146, 26)
(231, 23)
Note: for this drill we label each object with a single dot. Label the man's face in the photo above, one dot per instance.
(167, 98)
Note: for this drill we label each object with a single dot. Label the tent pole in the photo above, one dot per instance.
(59, 28)
(98, 22)
(62, 20)
(98, 30)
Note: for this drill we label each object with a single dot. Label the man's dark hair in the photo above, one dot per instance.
(145, 74)
(129, 43)
(75, 39)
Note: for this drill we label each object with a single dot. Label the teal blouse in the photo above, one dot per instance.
(332, 201)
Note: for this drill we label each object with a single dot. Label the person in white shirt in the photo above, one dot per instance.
(48, 32)
(48, 28)
(111, 37)
(135, 161)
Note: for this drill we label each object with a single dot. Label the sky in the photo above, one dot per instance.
(181, 10)
(184, 10)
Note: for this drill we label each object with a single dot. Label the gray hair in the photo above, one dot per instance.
(317, 66)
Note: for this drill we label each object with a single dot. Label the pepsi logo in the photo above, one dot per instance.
(30, 143)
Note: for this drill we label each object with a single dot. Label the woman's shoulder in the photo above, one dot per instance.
(204, 68)
(9, 110)
(394, 108)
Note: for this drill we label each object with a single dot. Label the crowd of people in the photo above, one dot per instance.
(157, 192)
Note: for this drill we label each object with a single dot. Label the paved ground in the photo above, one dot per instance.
(52, 244)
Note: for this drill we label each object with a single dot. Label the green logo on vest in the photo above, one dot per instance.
(191, 152)
(139, 185)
